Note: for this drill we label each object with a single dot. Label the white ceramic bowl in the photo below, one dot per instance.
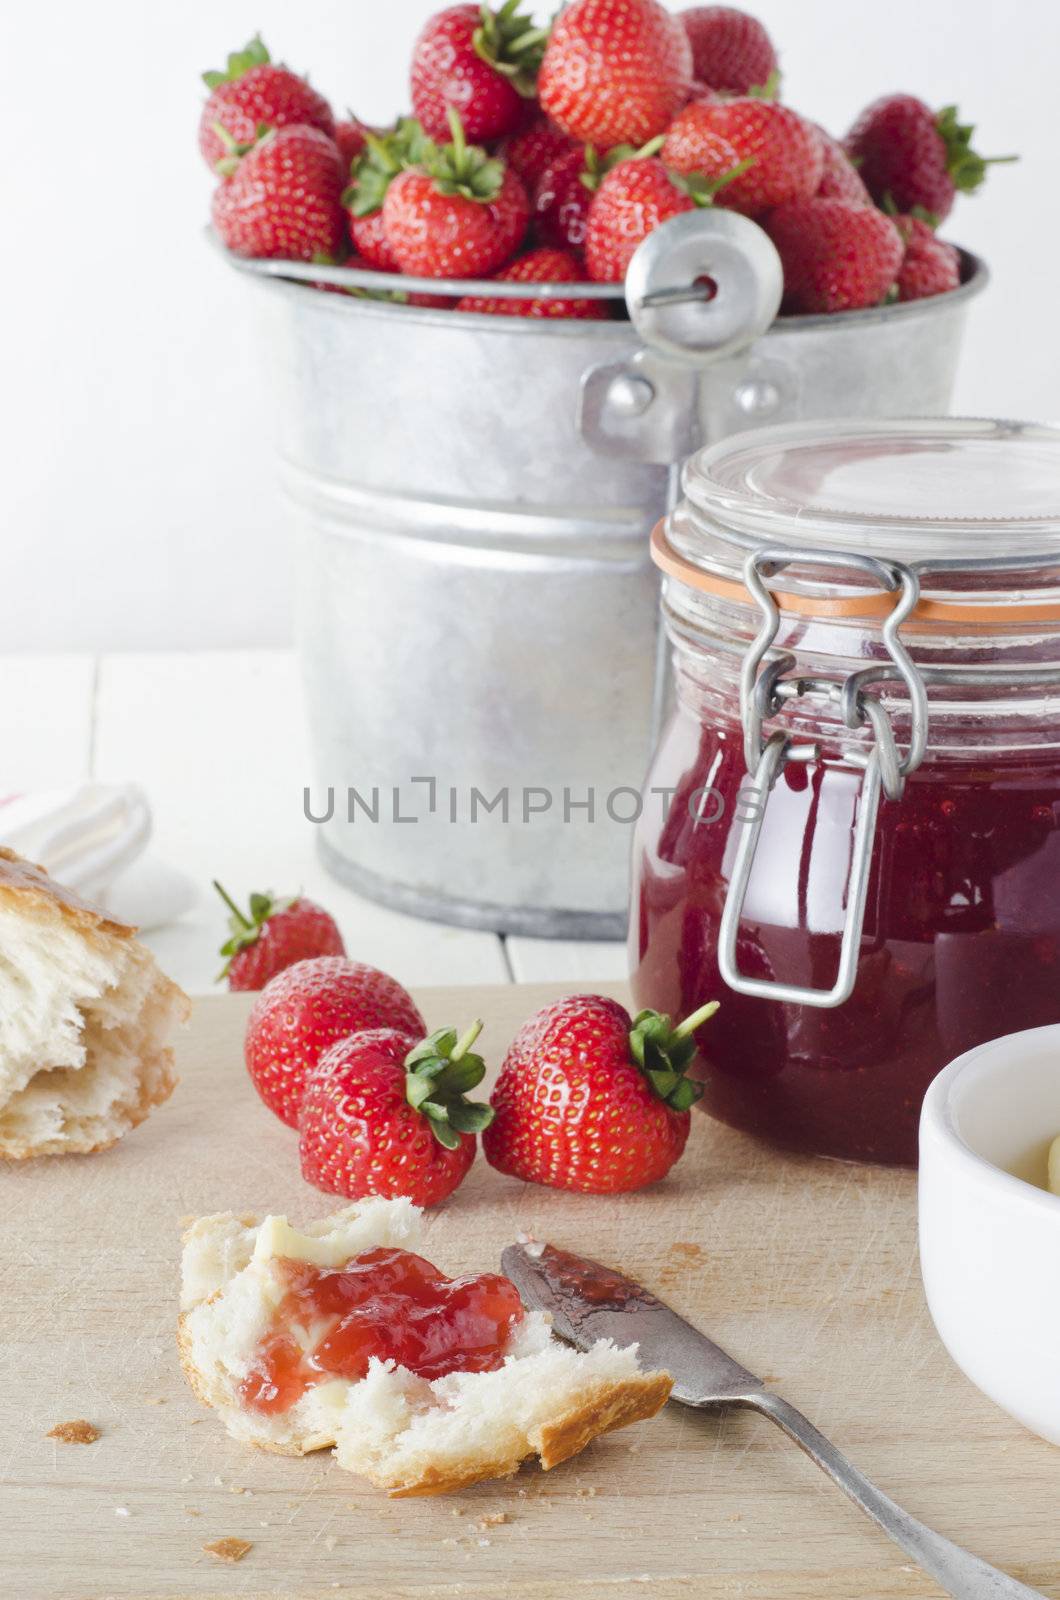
(990, 1241)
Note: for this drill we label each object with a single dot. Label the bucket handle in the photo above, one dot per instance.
(699, 289)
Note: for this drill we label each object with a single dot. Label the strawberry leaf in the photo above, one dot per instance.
(253, 54)
(663, 1052)
(965, 165)
(245, 930)
(384, 156)
(468, 1117)
(702, 189)
(460, 168)
(512, 45)
(445, 1135)
(438, 1073)
(768, 90)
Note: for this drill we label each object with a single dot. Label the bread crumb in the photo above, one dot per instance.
(493, 1520)
(192, 1511)
(586, 1493)
(231, 1550)
(122, 1511)
(78, 1432)
(239, 1488)
(737, 1516)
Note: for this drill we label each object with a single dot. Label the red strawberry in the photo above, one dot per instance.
(840, 179)
(590, 1099)
(479, 63)
(615, 71)
(783, 152)
(385, 155)
(694, 146)
(283, 198)
(562, 200)
(565, 192)
(383, 1114)
(731, 51)
(632, 200)
(369, 241)
(930, 265)
(275, 935)
(304, 1010)
(539, 266)
(837, 256)
(252, 92)
(460, 214)
(910, 156)
(533, 150)
(349, 137)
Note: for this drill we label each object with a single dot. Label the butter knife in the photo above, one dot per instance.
(588, 1302)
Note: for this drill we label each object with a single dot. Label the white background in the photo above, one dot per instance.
(137, 499)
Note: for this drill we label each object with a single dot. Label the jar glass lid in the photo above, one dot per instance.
(957, 496)
(886, 486)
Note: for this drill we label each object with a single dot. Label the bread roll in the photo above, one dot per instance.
(85, 1021)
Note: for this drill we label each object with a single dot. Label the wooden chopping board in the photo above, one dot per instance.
(805, 1270)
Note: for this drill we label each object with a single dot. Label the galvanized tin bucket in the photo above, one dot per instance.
(477, 610)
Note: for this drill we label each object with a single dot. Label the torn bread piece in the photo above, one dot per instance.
(409, 1434)
(86, 1017)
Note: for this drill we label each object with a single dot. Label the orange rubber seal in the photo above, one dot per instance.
(873, 604)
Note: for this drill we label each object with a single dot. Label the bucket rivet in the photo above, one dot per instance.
(630, 395)
(757, 396)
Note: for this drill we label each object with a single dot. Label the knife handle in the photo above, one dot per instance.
(960, 1573)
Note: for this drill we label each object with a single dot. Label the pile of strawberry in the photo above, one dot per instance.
(546, 154)
(588, 1097)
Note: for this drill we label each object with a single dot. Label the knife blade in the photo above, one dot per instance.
(588, 1301)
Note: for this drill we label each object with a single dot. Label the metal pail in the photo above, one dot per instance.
(477, 612)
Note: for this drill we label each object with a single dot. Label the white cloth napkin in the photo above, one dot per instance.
(92, 838)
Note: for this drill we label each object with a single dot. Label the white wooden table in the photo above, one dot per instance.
(218, 741)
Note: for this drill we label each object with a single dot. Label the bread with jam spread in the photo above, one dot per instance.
(404, 1432)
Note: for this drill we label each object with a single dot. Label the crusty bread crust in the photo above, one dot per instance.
(603, 1408)
(24, 884)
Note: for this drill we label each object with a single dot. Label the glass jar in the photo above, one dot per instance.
(850, 834)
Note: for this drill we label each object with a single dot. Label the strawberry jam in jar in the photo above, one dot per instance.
(850, 834)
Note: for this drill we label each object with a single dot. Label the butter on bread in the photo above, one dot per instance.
(404, 1433)
(86, 1017)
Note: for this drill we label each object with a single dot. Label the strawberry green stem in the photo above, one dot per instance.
(230, 903)
(685, 1029)
(466, 1040)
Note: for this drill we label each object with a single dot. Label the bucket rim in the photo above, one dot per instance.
(975, 276)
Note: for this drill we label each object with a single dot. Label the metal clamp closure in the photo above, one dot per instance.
(765, 688)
